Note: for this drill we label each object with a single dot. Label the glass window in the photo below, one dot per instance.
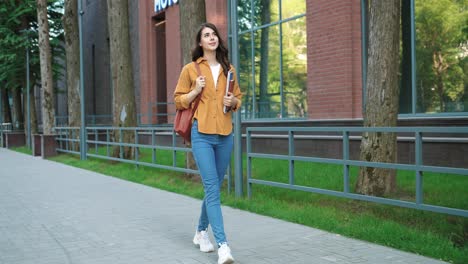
(295, 72)
(441, 56)
(273, 58)
(245, 75)
(405, 76)
(292, 8)
(244, 15)
(265, 11)
(440, 84)
(267, 73)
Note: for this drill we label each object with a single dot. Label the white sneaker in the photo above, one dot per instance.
(201, 239)
(224, 254)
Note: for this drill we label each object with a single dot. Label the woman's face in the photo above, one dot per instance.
(209, 39)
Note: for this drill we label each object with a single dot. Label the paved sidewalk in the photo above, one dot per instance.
(51, 213)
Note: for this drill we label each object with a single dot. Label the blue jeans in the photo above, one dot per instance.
(212, 154)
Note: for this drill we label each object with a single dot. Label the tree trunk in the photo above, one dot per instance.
(381, 105)
(192, 15)
(47, 88)
(6, 106)
(72, 49)
(24, 26)
(124, 109)
(264, 101)
(32, 108)
(17, 109)
(18, 103)
(439, 84)
(440, 69)
(465, 94)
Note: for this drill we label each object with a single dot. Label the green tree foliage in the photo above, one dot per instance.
(441, 51)
(18, 30)
(12, 42)
(247, 20)
(269, 88)
(294, 44)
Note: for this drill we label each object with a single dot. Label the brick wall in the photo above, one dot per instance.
(334, 59)
(173, 56)
(146, 61)
(216, 13)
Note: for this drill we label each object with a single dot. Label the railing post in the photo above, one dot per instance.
(82, 92)
(249, 163)
(291, 153)
(174, 152)
(95, 140)
(345, 159)
(418, 163)
(121, 154)
(69, 136)
(153, 142)
(62, 138)
(239, 183)
(107, 145)
(136, 148)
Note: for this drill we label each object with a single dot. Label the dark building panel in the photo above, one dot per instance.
(134, 44)
(97, 80)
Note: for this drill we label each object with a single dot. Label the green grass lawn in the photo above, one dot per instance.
(24, 150)
(430, 234)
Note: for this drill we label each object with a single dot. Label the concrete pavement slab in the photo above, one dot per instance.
(53, 213)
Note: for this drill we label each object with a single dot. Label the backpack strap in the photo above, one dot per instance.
(198, 98)
(197, 66)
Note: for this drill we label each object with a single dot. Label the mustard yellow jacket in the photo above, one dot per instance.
(210, 116)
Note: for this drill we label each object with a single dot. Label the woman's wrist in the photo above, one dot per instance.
(236, 101)
(193, 94)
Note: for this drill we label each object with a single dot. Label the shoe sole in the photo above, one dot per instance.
(208, 251)
(228, 261)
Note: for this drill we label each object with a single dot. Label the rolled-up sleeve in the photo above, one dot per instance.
(182, 89)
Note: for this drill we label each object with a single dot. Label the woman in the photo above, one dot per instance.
(212, 138)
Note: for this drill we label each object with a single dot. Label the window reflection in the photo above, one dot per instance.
(292, 8)
(295, 69)
(267, 79)
(441, 56)
(267, 10)
(272, 91)
(245, 75)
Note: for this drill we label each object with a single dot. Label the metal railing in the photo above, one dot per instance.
(418, 167)
(101, 141)
(4, 128)
(92, 120)
(68, 139)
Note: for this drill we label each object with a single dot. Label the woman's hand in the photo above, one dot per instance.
(200, 84)
(230, 100)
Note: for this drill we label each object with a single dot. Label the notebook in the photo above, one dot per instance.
(229, 88)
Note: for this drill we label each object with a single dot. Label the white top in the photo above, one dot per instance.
(215, 71)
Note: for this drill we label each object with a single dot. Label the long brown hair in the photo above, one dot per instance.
(221, 51)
